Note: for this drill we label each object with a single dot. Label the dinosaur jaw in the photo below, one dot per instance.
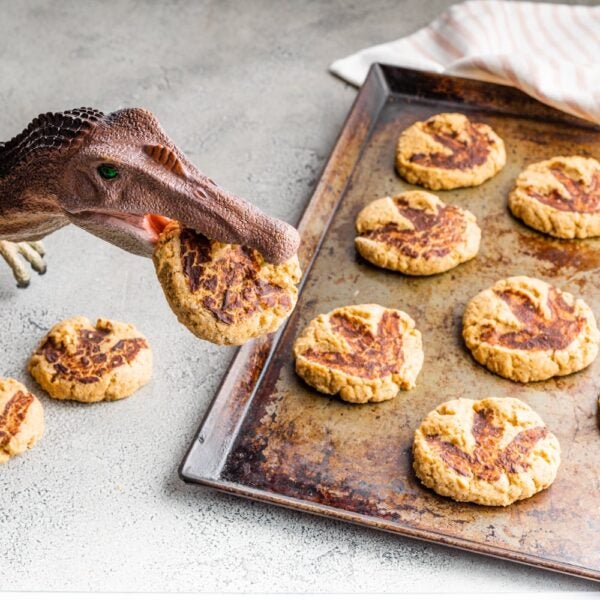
(137, 234)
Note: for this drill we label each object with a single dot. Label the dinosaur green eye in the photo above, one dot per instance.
(107, 171)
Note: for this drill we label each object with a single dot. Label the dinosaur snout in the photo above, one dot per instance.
(231, 219)
(220, 215)
(284, 246)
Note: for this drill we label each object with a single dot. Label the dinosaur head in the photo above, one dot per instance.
(127, 179)
(122, 179)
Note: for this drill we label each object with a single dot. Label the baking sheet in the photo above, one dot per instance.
(270, 437)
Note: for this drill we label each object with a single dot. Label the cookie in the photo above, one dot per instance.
(527, 330)
(77, 360)
(21, 419)
(416, 233)
(560, 196)
(493, 451)
(364, 353)
(449, 151)
(223, 293)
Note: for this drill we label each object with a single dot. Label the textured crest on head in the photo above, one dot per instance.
(47, 132)
(165, 156)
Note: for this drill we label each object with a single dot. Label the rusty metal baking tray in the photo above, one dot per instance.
(269, 437)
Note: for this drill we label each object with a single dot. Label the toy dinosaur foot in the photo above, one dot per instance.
(16, 254)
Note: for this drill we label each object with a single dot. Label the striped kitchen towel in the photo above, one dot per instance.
(550, 51)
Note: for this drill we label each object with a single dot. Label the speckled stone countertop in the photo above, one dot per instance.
(97, 505)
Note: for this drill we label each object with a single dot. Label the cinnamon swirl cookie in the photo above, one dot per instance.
(560, 196)
(449, 151)
(417, 234)
(364, 353)
(223, 293)
(21, 419)
(493, 451)
(527, 330)
(77, 360)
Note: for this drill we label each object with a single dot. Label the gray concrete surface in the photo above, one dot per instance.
(97, 505)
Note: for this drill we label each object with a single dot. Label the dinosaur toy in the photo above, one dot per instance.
(119, 177)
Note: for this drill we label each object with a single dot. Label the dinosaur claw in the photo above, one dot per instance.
(17, 253)
(39, 248)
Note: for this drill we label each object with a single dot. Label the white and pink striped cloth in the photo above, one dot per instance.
(550, 51)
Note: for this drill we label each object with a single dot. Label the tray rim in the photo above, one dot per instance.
(375, 90)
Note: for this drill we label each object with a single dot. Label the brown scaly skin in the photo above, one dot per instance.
(49, 177)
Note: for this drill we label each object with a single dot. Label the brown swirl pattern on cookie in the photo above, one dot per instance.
(433, 233)
(230, 282)
(13, 415)
(538, 332)
(488, 461)
(581, 197)
(371, 356)
(90, 361)
(464, 154)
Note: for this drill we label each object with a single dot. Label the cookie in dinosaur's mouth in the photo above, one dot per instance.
(135, 233)
(223, 293)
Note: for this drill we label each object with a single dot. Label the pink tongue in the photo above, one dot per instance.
(155, 224)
